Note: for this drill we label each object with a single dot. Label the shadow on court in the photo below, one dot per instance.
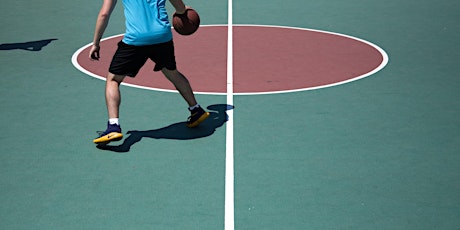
(29, 46)
(176, 131)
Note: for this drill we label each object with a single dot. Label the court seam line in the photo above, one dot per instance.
(229, 219)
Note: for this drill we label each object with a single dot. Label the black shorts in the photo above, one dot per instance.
(129, 59)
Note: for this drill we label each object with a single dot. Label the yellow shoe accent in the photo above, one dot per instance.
(197, 122)
(113, 136)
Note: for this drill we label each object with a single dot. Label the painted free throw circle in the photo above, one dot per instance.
(266, 59)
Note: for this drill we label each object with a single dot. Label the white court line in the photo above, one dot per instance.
(371, 72)
(229, 220)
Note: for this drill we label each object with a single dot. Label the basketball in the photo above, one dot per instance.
(187, 23)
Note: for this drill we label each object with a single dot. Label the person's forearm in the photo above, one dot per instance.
(178, 5)
(103, 20)
(101, 25)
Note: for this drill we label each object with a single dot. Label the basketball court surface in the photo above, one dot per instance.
(324, 115)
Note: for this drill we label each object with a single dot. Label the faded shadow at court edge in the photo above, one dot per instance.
(29, 46)
(176, 131)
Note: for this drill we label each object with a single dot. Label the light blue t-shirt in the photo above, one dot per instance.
(147, 22)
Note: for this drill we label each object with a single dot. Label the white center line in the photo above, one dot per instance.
(229, 174)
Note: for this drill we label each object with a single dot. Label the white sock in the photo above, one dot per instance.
(193, 107)
(114, 121)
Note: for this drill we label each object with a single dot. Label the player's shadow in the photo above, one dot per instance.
(29, 46)
(176, 131)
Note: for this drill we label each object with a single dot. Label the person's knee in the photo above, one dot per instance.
(115, 78)
(174, 75)
(170, 73)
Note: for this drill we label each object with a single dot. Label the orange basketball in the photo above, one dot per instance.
(187, 23)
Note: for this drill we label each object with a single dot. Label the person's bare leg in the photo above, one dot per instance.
(112, 94)
(112, 98)
(182, 85)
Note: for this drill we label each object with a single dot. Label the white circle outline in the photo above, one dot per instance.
(380, 67)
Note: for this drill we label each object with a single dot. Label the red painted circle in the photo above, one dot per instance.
(265, 59)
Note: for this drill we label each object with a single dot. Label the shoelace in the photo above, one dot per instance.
(190, 118)
(100, 133)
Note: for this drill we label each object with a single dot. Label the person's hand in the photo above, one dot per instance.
(94, 53)
(179, 12)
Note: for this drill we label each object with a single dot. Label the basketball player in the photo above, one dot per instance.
(148, 36)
